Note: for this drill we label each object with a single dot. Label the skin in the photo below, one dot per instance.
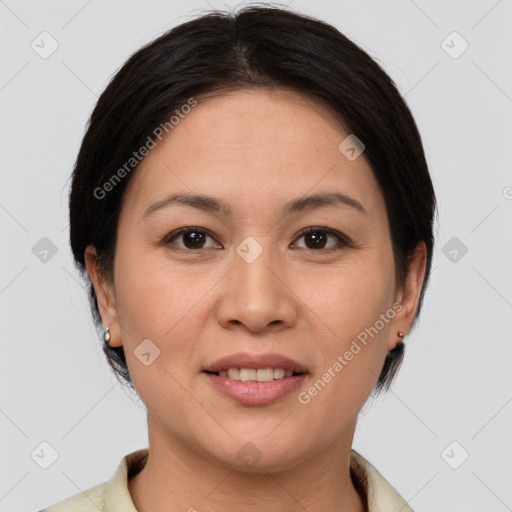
(254, 149)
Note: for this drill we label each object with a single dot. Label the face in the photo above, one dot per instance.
(256, 274)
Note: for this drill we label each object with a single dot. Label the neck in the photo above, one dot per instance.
(179, 478)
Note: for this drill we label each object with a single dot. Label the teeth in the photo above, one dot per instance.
(265, 374)
(234, 373)
(247, 374)
(259, 375)
(279, 373)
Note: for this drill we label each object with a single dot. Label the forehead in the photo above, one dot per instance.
(254, 144)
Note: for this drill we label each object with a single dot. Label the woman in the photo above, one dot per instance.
(252, 206)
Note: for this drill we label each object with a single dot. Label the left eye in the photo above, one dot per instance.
(318, 238)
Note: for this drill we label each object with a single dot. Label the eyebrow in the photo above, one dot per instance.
(214, 205)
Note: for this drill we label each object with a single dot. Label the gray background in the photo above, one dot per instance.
(456, 383)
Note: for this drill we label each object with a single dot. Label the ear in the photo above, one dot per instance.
(409, 295)
(104, 294)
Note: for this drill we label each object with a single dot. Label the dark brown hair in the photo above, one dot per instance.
(254, 47)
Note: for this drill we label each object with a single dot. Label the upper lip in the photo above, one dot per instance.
(244, 360)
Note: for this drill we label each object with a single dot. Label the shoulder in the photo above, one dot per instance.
(90, 500)
(380, 494)
(112, 495)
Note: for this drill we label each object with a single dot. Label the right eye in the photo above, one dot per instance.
(193, 238)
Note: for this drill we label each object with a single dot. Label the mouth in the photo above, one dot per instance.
(256, 379)
(256, 374)
(255, 367)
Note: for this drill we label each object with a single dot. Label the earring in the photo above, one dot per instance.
(106, 336)
(401, 335)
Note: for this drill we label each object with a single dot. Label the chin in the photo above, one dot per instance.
(260, 455)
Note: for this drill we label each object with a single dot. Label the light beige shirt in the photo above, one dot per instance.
(114, 496)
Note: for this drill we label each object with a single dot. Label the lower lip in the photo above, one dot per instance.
(256, 393)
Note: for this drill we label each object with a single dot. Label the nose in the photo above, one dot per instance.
(257, 294)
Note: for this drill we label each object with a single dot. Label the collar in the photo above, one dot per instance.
(381, 496)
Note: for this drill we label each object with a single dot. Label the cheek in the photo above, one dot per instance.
(346, 312)
(349, 298)
(152, 297)
(155, 309)
(167, 304)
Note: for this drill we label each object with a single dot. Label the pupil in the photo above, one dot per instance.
(195, 237)
(317, 238)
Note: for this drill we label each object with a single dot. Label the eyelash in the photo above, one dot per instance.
(343, 241)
